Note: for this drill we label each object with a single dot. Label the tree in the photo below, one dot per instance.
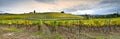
(87, 16)
(34, 11)
(62, 11)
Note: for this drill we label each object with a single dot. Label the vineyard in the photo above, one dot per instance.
(66, 26)
(91, 22)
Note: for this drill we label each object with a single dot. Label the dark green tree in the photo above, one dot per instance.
(34, 11)
(62, 11)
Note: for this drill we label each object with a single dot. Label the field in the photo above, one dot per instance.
(53, 25)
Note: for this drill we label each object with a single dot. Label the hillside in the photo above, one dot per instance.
(45, 15)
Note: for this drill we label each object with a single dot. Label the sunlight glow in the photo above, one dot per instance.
(84, 12)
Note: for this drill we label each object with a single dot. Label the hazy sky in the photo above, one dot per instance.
(69, 6)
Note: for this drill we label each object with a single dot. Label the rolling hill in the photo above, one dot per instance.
(45, 15)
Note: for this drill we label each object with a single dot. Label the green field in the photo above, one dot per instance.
(47, 15)
(57, 22)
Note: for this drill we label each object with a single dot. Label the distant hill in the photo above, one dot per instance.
(45, 15)
(114, 15)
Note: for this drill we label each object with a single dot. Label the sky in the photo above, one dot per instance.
(76, 7)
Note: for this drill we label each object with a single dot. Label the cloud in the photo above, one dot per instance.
(72, 6)
(44, 4)
(110, 1)
(101, 7)
(1, 11)
(78, 12)
(47, 1)
(5, 3)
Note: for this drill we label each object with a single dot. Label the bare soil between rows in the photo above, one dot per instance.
(69, 32)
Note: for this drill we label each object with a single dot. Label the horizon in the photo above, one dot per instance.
(77, 7)
(57, 12)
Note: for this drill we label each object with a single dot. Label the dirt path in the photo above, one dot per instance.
(45, 29)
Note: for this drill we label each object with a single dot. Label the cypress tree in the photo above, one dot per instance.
(34, 11)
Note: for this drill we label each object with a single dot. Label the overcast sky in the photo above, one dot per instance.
(69, 6)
